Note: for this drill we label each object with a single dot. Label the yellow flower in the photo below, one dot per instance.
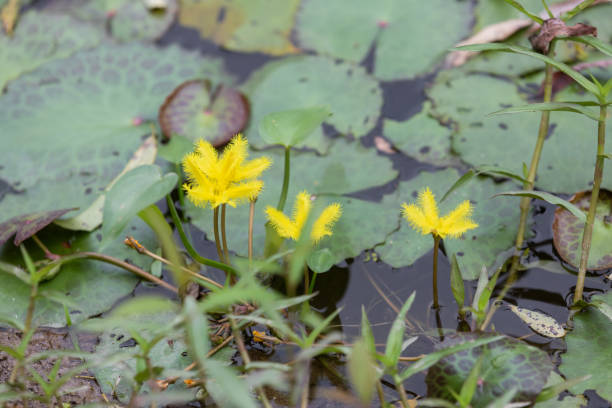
(288, 228)
(225, 179)
(425, 217)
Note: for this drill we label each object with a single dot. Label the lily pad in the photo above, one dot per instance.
(499, 140)
(348, 29)
(23, 227)
(484, 246)
(71, 126)
(507, 363)
(421, 137)
(243, 25)
(568, 230)
(195, 111)
(494, 11)
(95, 286)
(588, 350)
(353, 97)
(347, 168)
(39, 38)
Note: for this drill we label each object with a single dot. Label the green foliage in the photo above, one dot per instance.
(292, 127)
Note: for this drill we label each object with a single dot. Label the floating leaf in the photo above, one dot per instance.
(95, 286)
(394, 29)
(39, 38)
(321, 260)
(243, 25)
(196, 111)
(353, 97)
(133, 192)
(175, 150)
(485, 245)
(506, 363)
(71, 126)
(291, 127)
(24, 226)
(568, 230)
(540, 323)
(588, 350)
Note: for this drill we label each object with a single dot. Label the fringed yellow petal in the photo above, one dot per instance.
(207, 158)
(427, 200)
(323, 225)
(457, 221)
(233, 156)
(252, 169)
(281, 223)
(243, 191)
(198, 195)
(192, 169)
(417, 219)
(301, 209)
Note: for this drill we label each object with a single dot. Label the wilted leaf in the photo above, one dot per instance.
(553, 28)
(24, 226)
(539, 322)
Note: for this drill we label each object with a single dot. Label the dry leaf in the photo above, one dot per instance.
(9, 15)
(539, 322)
(383, 145)
(553, 28)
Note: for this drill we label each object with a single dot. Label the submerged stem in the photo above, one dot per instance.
(283, 197)
(588, 227)
(435, 270)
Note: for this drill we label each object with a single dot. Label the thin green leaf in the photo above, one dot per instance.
(488, 291)
(505, 399)
(362, 369)
(396, 334)
(579, 7)
(226, 388)
(468, 388)
(554, 390)
(197, 332)
(593, 42)
(523, 10)
(549, 107)
(549, 198)
(457, 282)
(578, 77)
(58, 297)
(312, 337)
(483, 280)
(366, 331)
(16, 271)
(11, 321)
(461, 181)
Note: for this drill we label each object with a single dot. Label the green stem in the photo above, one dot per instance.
(402, 392)
(283, 197)
(154, 218)
(435, 270)
(190, 249)
(224, 234)
(588, 228)
(381, 393)
(312, 282)
(251, 218)
(216, 229)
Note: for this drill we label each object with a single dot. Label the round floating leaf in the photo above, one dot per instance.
(71, 126)
(568, 230)
(243, 25)
(588, 350)
(347, 29)
(540, 323)
(95, 286)
(321, 260)
(24, 226)
(353, 97)
(175, 149)
(506, 363)
(508, 140)
(291, 127)
(133, 192)
(39, 38)
(347, 168)
(195, 111)
(483, 246)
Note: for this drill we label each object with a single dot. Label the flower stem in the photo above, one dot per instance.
(190, 249)
(312, 283)
(216, 228)
(224, 234)
(251, 218)
(435, 270)
(283, 197)
(588, 228)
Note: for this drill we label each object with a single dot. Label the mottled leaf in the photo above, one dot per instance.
(24, 226)
(540, 323)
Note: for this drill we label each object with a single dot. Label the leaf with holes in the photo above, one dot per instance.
(243, 25)
(568, 230)
(24, 226)
(484, 246)
(39, 38)
(506, 363)
(349, 29)
(71, 126)
(196, 111)
(353, 97)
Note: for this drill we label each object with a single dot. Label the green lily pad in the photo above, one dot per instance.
(508, 140)
(484, 246)
(23, 227)
(95, 286)
(421, 137)
(588, 350)
(39, 38)
(133, 192)
(243, 25)
(347, 168)
(353, 97)
(348, 29)
(71, 126)
(289, 128)
(195, 111)
(126, 20)
(494, 11)
(568, 230)
(507, 363)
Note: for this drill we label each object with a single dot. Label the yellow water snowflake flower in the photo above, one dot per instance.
(292, 228)
(425, 217)
(225, 179)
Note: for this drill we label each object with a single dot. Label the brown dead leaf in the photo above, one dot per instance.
(9, 15)
(383, 145)
(553, 28)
